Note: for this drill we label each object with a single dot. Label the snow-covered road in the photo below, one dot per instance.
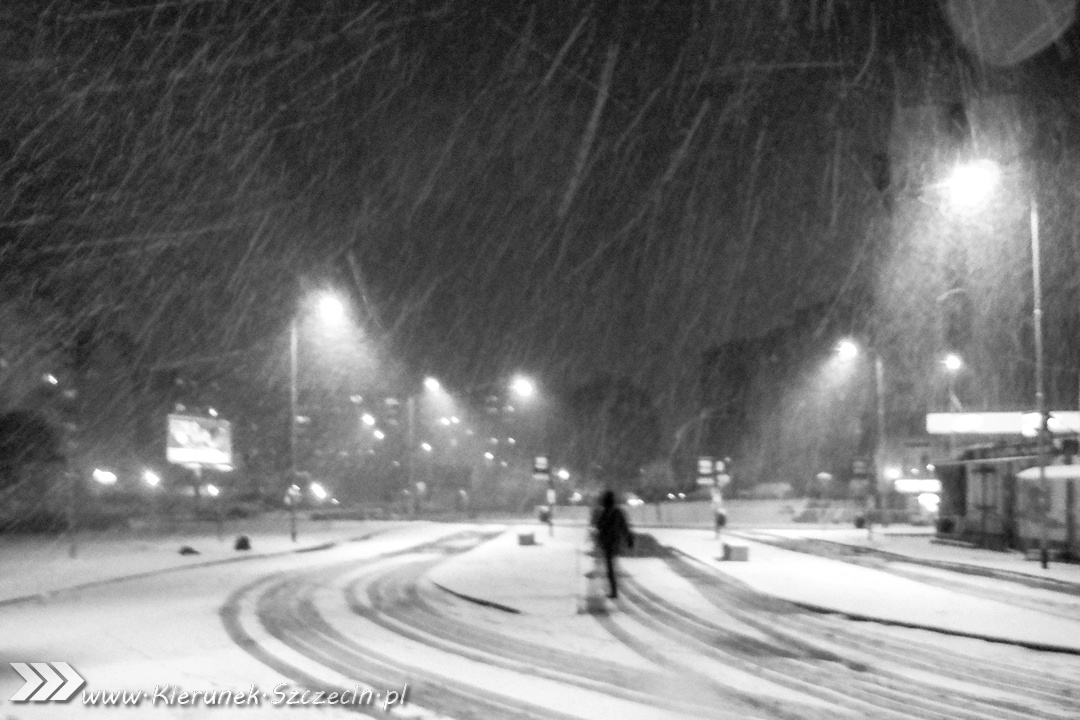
(370, 626)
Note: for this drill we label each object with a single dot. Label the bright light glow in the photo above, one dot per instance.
(915, 486)
(523, 387)
(576, 497)
(634, 501)
(892, 473)
(331, 309)
(318, 491)
(431, 384)
(455, 419)
(105, 477)
(50, 378)
(970, 184)
(847, 350)
(426, 447)
(511, 441)
(930, 501)
(151, 478)
(563, 474)
(379, 435)
(953, 362)
(368, 419)
(213, 412)
(212, 490)
(445, 421)
(489, 456)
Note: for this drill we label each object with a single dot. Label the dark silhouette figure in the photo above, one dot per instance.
(612, 530)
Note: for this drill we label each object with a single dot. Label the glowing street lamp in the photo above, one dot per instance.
(330, 310)
(847, 350)
(968, 185)
(953, 364)
(523, 386)
(151, 478)
(104, 477)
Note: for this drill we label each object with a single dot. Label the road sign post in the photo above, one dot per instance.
(542, 472)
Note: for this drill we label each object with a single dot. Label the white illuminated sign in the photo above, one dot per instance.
(1000, 423)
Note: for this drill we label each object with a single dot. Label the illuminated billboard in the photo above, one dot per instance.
(195, 440)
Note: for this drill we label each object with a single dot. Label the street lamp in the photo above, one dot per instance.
(330, 310)
(847, 351)
(953, 364)
(968, 185)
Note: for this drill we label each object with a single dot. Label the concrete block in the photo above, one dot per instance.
(736, 551)
(526, 538)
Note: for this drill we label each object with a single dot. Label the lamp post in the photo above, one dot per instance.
(847, 351)
(969, 184)
(330, 309)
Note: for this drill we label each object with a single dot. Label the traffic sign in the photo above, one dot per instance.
(705, 466)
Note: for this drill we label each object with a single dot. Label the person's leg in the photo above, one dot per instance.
(609, 557)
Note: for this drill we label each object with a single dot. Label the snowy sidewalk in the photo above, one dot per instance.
(836, 586)
(36, 566)
(919, 546)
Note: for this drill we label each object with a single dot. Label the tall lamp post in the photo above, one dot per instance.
(847, 351)
(329, 309)
(970, 184)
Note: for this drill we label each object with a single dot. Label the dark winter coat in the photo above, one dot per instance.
(612, 529)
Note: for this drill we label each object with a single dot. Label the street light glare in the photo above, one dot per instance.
(331, 309)
(523, 387)
(431, 384)
(971, 183)
(953, 362)
(847, 350)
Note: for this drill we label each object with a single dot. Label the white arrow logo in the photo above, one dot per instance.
(46, 682)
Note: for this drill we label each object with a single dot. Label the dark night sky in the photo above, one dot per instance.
(562, 187)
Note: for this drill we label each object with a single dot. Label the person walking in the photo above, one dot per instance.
(612, 530)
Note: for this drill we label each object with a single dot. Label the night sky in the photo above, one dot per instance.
(561, 187)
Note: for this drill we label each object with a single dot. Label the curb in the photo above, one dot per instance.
(47, 595)
(474, 599)
(821, 609)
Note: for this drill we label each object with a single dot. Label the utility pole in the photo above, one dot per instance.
(294, 342)
(410, 450)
